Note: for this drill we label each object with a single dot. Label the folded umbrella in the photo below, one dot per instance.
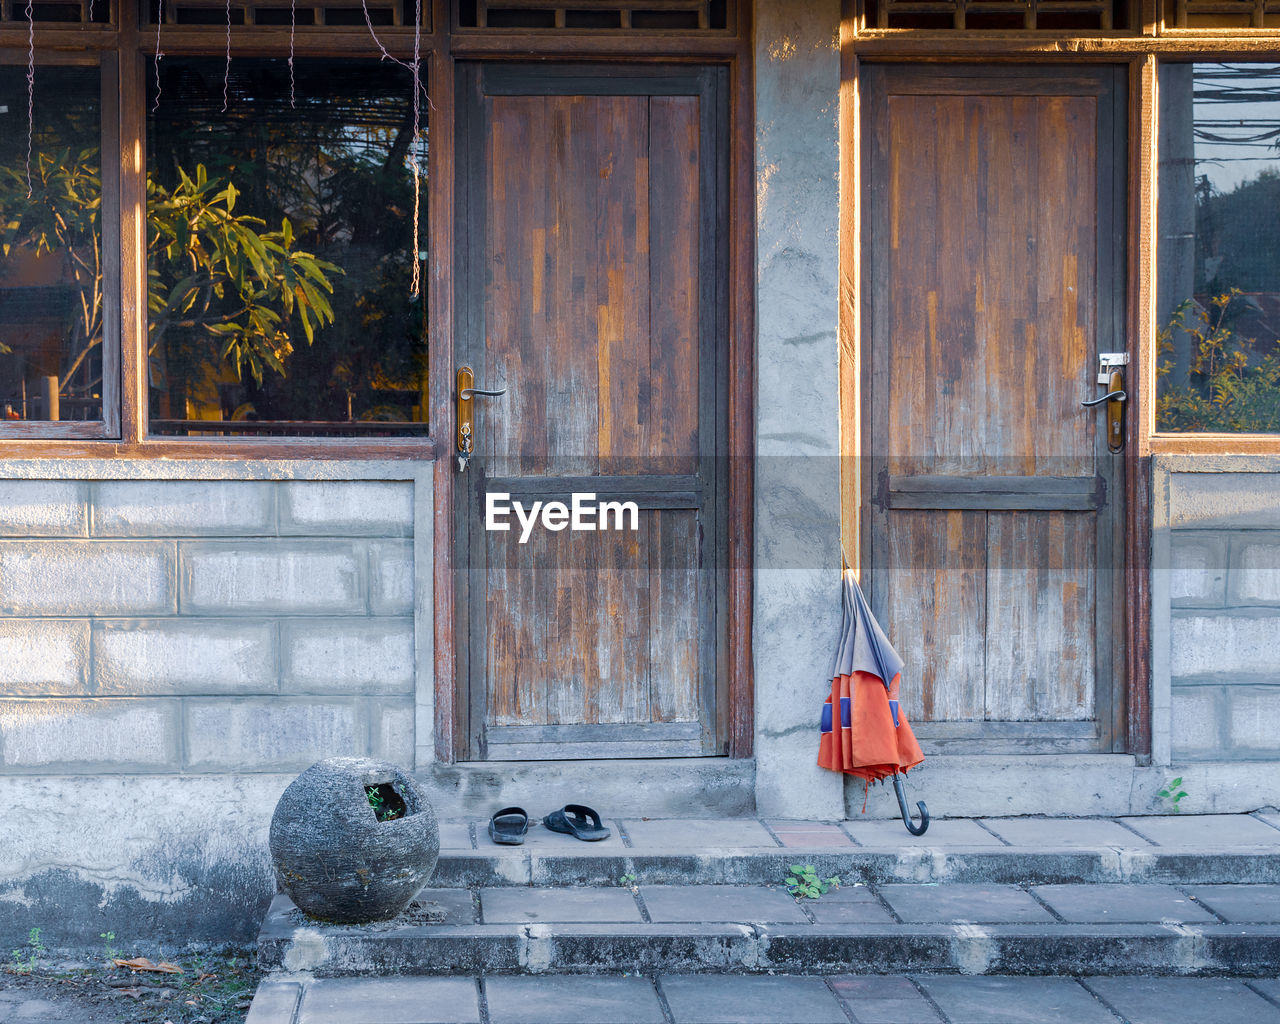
(864, 732)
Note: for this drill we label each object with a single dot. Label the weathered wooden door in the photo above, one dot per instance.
(993, 245)
(590, 243)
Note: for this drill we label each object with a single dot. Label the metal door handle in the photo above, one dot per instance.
(1114, 400)
(467, 390)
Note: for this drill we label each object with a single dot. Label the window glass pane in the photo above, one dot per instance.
(280, 245)
(51, 284)
(1219, 256)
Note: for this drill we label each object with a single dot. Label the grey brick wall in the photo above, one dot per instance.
(1223, 644)
(160, 626)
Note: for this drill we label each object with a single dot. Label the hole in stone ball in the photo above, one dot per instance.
(386, 801)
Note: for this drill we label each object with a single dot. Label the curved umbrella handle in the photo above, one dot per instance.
(906, 814)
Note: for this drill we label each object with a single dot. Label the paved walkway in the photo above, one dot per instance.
(781, 999)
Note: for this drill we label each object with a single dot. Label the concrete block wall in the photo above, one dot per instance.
(178, 641)
(1219, 553)
(204, 625)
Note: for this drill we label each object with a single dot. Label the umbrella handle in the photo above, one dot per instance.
(906, 814)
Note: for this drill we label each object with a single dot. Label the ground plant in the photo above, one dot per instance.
(26, 957)
(803, 882)
(1173, 793)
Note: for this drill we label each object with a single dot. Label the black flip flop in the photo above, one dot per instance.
(508, 826)
(577, 821)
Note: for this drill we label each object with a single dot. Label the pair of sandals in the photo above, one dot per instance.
(509, 825)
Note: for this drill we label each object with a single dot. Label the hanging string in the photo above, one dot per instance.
(159, 20)
(293, 22)
(226, 71)
(415, 149)
(31, 88)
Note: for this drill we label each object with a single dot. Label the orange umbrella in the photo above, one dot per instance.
(872, 740)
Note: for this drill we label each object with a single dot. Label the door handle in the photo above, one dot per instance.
(1114, 399)
(465, 439)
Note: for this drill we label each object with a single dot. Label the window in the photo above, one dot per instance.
(53, 262)
(1219, 252)
(281, 249)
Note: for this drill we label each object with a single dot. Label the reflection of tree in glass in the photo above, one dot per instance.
(229, 289)
(336, 166)
(1232, 388)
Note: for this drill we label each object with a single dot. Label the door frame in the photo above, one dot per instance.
(734, 51)
(477, 81)
(1126, 725)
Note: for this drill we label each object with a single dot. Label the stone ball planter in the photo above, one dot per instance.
(334, 857)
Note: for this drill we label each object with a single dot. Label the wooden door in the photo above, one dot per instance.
(993, 237)
(592, 290)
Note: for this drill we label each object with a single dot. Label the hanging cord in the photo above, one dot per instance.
(386, 55)
(293, 24)
(31, 88)
(159, 21)
(226, 71)
(416, 282)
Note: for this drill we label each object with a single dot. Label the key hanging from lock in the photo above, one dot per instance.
(466, 393)
(464, 451)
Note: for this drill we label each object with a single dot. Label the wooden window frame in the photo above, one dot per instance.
(1141, 50)
(128, 43)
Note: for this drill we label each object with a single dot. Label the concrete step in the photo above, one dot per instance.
(972, 929)
(1181, 849)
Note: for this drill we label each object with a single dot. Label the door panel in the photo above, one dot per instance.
(592, 266)
(993, 218)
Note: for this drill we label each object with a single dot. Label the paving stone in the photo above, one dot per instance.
(746, 903)
(724, 999)
(1206, 830)
(457, 904)
(405, 1000)
(1241, 903)
(1269, 987)
(274, 1003)
(948, 832)
(849, 913)
(1056, 833)
(973, 903)
(683, 833)
(519, 905)
(1123, 903)
(455, 835)
(1001, 1000)
(808, 835)
(884, 999)
(1184, 1000)
(570, 999)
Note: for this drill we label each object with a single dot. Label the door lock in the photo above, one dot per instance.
(1110, 374)
(465, 440)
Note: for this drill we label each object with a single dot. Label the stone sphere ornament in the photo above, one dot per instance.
(353, 840)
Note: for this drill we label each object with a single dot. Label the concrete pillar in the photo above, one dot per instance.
(797, 597)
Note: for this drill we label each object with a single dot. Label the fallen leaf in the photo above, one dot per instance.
(205, 977)
(141, 963)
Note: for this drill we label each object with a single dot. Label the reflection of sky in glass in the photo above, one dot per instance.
(1237, 122)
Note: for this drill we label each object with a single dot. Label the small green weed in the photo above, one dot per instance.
(386, 800)
(1173, 794)
(629, 881)
(24, 961)
(803, 882)
(109, 950)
